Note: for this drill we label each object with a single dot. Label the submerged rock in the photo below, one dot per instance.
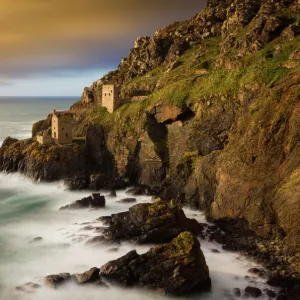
(157, 222)
(127, 200)
(28, 287)
(54, 281)
(36, 240)
(177, 268)
(95, 200)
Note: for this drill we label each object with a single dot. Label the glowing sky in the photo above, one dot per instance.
(56, 47)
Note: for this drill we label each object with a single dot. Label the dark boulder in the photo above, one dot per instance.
(177, 268)
(271, 294)
(95, 201)
(97, 181)
(253, 291)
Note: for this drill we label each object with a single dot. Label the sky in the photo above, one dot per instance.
(57, 47)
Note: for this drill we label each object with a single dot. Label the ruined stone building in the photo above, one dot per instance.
(44, 137)
(62, 125)
(111, 97)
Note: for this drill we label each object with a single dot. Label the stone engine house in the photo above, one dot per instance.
(62, 125)
(111, 97)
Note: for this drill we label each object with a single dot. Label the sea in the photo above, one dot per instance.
(17, 114)
(29, 210)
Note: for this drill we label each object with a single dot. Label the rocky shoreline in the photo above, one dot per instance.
(163, 222)
(210, 120)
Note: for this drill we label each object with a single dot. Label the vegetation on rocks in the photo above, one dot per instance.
(218, 127)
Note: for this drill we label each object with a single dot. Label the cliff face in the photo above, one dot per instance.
(44, 163)
(220, 127)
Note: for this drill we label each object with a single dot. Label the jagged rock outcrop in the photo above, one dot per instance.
(177, 268)
(157, 222)
(93, 201)
(40, 162)
(220, 130)
(9, 141)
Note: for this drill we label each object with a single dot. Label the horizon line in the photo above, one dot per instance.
(56, 96)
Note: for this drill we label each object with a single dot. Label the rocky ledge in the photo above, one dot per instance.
(157, 222)
(177, 268)
(42, 162)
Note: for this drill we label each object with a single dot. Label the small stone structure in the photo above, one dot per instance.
(44, 137)
(62, 125)
(61, 130)
(111, 97)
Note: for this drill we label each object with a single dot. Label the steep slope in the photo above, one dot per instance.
(218, 121)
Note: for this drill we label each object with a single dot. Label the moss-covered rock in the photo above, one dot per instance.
(157, 222)
(177, 268)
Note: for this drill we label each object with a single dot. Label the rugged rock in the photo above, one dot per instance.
(9, 141)
(177, 268)
(93, 201)
(157, 222)
(225, 141)
(253, 291)
(88, 277)
(41, 162)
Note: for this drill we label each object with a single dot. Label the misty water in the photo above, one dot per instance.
(29, 210)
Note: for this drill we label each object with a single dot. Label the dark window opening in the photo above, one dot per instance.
(55, 134)
(105, 94)
(62, 129)
(66, 135)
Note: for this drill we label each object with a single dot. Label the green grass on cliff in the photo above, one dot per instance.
(182, 86)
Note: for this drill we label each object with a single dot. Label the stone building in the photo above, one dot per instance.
(110, 97)
(44, 137)
(62, 125)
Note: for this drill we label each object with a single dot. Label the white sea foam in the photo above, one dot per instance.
(29, 210)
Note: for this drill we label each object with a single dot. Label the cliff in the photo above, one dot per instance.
(219, 128)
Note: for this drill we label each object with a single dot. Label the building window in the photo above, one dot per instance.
(111, 91)
(54, 134)
(62, 129)
(105, 94)
(66, 135)
(109, 94)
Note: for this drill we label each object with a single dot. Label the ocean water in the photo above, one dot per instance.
(29, 210)
(17, 114)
